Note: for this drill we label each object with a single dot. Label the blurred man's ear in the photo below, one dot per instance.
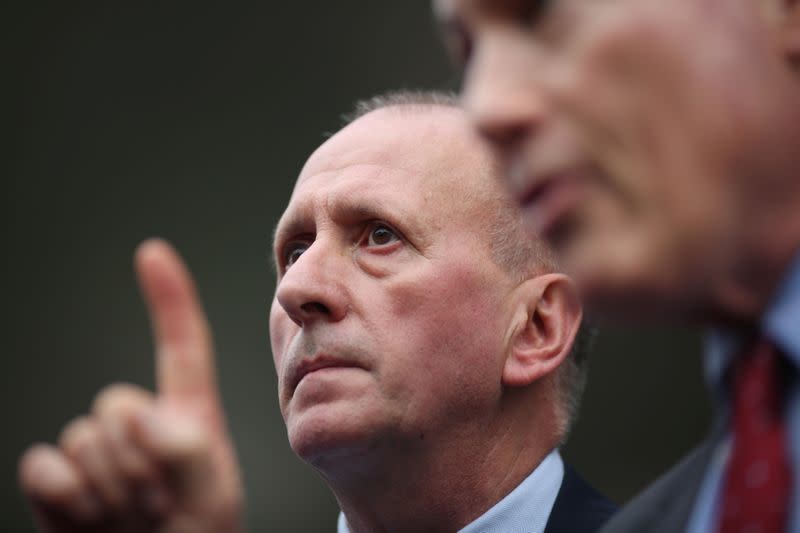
(548, 319)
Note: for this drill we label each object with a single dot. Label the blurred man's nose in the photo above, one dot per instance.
(500, 93)
(314, 287)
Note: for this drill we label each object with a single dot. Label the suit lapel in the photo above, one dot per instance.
(666, 505)
(578, 507)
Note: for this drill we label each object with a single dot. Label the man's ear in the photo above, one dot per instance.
(548, 319)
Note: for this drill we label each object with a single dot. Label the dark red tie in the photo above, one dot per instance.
(758, 476)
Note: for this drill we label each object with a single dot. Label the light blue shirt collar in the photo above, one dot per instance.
(526, 508)
(782, 319)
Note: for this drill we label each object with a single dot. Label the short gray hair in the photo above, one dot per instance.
(511, 248)
(414, 99)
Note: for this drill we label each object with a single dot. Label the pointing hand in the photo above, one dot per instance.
(143, 461)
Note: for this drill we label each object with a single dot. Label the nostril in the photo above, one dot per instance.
(315, 308)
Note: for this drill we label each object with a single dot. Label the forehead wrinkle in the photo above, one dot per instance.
(371, 192)
(381, 195)
(349, 150)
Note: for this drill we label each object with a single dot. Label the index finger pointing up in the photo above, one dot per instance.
(184, 355)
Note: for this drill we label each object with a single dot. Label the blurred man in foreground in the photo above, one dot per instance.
(423, 347)
(656, 145)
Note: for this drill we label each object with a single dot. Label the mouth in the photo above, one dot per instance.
(549, 201)
(315, 364)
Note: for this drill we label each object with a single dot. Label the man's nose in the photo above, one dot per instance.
(314, 287)
(500, 93)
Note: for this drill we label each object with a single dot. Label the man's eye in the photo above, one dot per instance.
(293, 252)
(381, 235)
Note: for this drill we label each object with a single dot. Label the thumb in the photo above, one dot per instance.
(184, 355)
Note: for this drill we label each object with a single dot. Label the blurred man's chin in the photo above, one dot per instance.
(621, 279)
(620, 307)
(638, 299)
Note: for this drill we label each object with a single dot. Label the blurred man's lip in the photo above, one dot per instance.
(317, 363)
(548, 201)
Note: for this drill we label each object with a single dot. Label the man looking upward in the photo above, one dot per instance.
(656, 145)
(423, 346)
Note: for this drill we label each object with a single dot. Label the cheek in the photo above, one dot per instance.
(446, 305)
(448, 329)
(626, 64)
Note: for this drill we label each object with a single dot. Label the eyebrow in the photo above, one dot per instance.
(407, 220)
(347, 209)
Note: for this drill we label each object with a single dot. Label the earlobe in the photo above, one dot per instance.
(549, 318)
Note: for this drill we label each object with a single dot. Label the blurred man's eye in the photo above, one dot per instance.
(458, 35)
(521, 12)
(516, 12)
(535, 10)
(458, 42)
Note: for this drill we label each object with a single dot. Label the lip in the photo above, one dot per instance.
(549, 199)
(318, 362)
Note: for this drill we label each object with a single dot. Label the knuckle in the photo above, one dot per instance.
(29, 465)
(129, 459)
(78, 435)
(191, 443)
(45, 475)
(118, 399)
(184, 441)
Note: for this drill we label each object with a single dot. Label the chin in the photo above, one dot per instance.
(323, 432)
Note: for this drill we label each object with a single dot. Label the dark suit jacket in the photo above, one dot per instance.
(666, 505)
(578, 507)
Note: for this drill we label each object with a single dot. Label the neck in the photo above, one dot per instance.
(446, 480)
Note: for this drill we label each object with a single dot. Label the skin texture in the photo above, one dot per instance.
(437, 398)
(653, 144)
(143, 461)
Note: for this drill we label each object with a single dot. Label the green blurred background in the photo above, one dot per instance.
(191, 121)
